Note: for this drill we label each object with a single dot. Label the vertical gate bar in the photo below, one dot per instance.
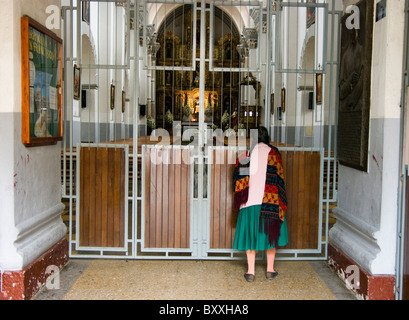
(297, 66)
(79, 35)
(325, 242)
(115, 62)
(65, 103)
(68, 74)
(270, 30)
(65, 100)
(400, 252)
(211, 39)
(284, 76)
(202, 73)
(336, 89)
(267, 109)
(400, 255)
(328, 168)
(322, 116)
(135, 145)
(329, 146)
(65, 144)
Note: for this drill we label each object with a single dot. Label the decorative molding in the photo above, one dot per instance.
(39, 233)
(355, 237)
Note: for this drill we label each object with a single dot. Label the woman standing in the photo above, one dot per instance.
(261, 198)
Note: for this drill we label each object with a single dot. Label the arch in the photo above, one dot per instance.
(88, 53)
(175, 35)
(308, 45)
(88, 82)
(240, 16)
(308, 59)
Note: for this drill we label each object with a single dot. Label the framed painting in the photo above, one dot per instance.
(283, 100)
(123, 101)
(86, 12)
(42, 84)
(112, 103)
(310, 13)
(319, 88)
(77, 82)
(272, 104)
(355, 89)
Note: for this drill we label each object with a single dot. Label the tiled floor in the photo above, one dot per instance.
(194, 280)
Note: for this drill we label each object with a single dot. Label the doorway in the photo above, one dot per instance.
(177, 87)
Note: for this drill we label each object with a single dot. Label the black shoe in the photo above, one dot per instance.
(249, 277)
(271, 275)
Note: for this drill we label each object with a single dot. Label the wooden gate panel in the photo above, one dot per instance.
(302, 178)
(102, 197)
(167, 198)
(222, 218)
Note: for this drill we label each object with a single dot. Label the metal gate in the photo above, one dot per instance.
(161, 96)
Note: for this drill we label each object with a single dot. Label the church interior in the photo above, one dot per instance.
(126, 119)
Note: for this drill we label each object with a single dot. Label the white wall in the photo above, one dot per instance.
(30, 188)
(367, 211)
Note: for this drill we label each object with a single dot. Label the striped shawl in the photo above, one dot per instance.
(274, 204)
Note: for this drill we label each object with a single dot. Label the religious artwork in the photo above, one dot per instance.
(272, 104)
(86, 12)
(42, 84)
(283, 100)
(380, 10)
(355, 90)
(319, 88)
(112, 103)
(77, 83)
(250, 80)
(310, 14)
(123, 101)
(178, 91)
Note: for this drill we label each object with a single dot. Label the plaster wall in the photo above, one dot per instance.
(29, 177)
(367, 204)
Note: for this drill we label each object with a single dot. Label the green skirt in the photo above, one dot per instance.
(248, 235)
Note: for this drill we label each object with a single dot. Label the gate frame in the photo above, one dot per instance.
(403, 168)
(136, 198)
(75, 243)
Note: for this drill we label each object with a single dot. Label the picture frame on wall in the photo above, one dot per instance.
(123, 101)
(283, 100)
(272, 104)
(112, 104)
(77, 83)
(42, 84)
(319, 88)
(311, 14)
(86, 15)
(354, 100)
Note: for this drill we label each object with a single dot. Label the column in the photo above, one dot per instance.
(31, 229)
(365, 234)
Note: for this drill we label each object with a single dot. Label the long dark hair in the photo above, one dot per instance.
(263, 135)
